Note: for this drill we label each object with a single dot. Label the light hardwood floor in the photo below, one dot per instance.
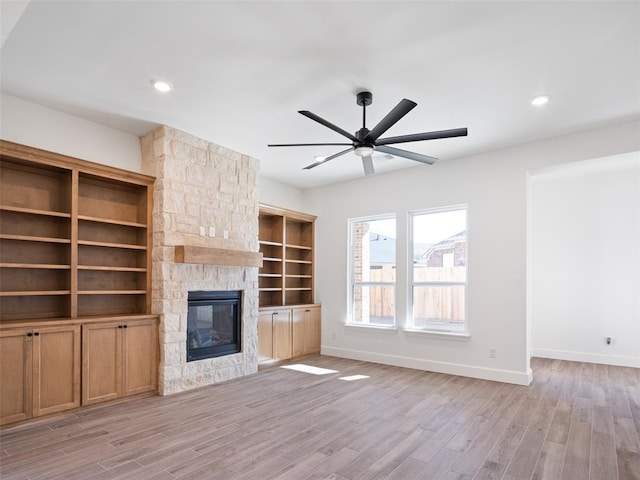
(575, 421)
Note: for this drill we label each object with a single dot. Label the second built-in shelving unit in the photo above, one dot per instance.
(286, 242)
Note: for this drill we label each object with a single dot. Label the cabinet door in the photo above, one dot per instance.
(139, 356)
(56, 369)
(265, 336)
(312, 330)
(101, 362)
(298, 331)
(282, 334)
(15, 375)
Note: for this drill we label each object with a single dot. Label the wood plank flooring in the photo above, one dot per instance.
(575, 421)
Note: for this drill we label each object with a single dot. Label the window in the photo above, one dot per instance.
(439, 269)
(372, 257)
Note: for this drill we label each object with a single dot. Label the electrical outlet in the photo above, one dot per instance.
(202, 232)
(492, 353)
(225, 234)
(608, 340)
(212, 231)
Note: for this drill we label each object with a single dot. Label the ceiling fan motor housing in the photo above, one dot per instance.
(364, 98)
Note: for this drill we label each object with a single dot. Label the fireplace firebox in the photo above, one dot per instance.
(213, 324)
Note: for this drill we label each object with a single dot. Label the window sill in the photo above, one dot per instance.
(462, 336)
(377, 328)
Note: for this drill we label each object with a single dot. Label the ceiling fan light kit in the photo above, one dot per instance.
(366, 141)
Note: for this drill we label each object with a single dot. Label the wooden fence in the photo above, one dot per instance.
(430, 302)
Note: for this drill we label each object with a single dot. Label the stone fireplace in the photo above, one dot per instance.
(205, 239)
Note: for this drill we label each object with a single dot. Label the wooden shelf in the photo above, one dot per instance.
(111, 222)
(111, 292)
(75, 237)
(287, 240)
(300, 247)
(34, 211)
(111, 269)
(265, 242)
(111, 245)
(36, 265)
(34, 293)
(28, 238)
(216, 256)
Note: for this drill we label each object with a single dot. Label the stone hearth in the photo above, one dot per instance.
(200, 184)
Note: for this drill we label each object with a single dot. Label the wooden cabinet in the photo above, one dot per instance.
(286, 280)
(286, 242)
(288, 332)
(305, 330)
(118, 359)
(274, 334)
(39, 371)
(75, 250)
(75, 237)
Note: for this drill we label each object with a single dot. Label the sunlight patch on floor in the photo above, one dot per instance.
(353, 377)
(300, 367)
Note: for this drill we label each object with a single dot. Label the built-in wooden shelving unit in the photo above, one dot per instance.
(286, 242)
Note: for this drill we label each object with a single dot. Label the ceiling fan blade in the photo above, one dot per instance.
(418, 157)
(455, 132)
(304, 144)
(331, 157)
(399, 111)
(327, 124)
(367, 164)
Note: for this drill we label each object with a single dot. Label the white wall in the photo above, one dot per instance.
(278, 194)
(494, 185)
(585, 261)
(41, 127)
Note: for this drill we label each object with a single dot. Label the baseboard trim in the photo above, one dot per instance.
(615, 360)
(497, 375)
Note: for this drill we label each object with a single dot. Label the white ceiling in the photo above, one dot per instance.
(243, 69)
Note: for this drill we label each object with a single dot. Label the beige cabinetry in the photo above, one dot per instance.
(39, 371)
(274, 334)
(118, 359)
(305, 330)
(289, 321)
(75, 252)
(288, 332)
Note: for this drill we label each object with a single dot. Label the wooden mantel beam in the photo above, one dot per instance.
(216, 256)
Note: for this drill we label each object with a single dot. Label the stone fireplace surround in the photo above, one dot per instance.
(200, 184)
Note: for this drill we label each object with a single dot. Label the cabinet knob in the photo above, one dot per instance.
(119, 326)
(29, 334)
(275, 313)
(36, 334)
(124, 326)
(307, 310)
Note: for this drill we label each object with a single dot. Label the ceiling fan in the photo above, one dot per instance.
(366, 141)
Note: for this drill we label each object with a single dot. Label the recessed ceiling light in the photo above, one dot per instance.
(540, 100)
(162, 86)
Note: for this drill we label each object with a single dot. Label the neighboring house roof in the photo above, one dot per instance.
(383, 249)
(445, 244)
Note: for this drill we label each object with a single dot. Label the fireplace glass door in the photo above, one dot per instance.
(213, 324)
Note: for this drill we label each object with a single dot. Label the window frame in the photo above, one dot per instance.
(411, 283)
(351, 273)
